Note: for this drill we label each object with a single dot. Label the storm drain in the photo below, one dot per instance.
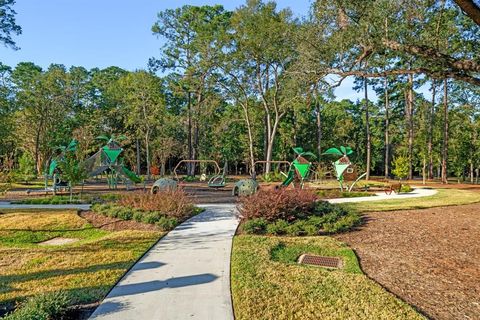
(326, 262)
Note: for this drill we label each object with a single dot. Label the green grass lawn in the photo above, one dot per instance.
(444, 197)
(86, 269)
(267, 283)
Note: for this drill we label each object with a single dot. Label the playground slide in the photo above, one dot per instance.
(289, 179)
(131, 175)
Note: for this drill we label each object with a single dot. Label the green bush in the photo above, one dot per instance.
(406, 188)
(400, 167)
(166, 223)
(41, 307)
(278, 227)
(326, 218)
(255, 226)
(138, 215)
(151, 217)
(125, 214)
(273, 176)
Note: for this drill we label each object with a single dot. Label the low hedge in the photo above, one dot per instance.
(164, 209)
(45, 306)
(294, 214)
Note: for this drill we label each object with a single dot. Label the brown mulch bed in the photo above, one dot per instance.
(430, 258)
(112, 224)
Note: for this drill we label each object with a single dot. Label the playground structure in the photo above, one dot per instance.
(297, 174)
(106, 160)
(216, 181)
(299, 169)
(344, 169)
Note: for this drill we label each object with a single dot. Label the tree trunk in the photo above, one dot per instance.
(137, 144)
(162, 168)
(367, 129)
(319, 128)
(387, 130)
(37, 153)
(189, 135)
(250, 135)
(410, 125)
(431, 117)
(147, 151)
(445, 133)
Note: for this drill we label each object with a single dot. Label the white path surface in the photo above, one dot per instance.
(416, 193)
(186, 275)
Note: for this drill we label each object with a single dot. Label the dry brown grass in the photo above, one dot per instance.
(85, 269)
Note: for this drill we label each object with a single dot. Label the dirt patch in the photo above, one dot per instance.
(430, 258)
(58, 241)
(113, 224)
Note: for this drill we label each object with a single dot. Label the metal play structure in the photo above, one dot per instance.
(299, 168)
(297, 174)
(106, 160)
(344, 169)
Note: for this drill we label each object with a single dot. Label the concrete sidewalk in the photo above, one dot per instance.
(186, 275)
(416, 193)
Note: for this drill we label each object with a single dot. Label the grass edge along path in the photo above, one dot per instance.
(443, 198)
(85, 270)
(267, 283)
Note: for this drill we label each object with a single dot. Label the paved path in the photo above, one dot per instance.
(8, 205)
(186, 275)
(416, 193)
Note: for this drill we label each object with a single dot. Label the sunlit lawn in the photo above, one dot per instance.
(85, 269)
(267, 283)
(444, 197)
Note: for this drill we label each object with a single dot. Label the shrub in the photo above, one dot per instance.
(151, 217)
(166, 223)
(255, 226)
(400, 167)
(41, 307)
(125, 214)
(273, 176)
(344, 223)
(406, 188)
(272, 205)
(138, 215)
(172, 203)
(279, 227)
(325, 218)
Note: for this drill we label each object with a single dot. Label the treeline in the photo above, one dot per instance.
(250, 84)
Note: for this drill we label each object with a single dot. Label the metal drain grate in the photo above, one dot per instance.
(326, 262)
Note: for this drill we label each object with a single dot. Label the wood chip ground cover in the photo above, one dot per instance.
(430, 258)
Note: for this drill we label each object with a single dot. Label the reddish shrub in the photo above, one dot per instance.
(271, 205)
(172, 203)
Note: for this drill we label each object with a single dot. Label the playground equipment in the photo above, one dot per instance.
(164, 184)
(299, 168)
(216, 181)
(344, 169)
(297, 174)
(245, 187)
(106, 160)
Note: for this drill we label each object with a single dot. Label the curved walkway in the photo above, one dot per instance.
(416, 193)
(186, 275)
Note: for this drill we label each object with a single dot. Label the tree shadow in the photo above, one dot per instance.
(155, 285)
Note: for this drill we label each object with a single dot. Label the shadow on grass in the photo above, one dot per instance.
(7, 281)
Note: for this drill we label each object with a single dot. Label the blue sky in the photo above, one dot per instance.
(102, 33)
